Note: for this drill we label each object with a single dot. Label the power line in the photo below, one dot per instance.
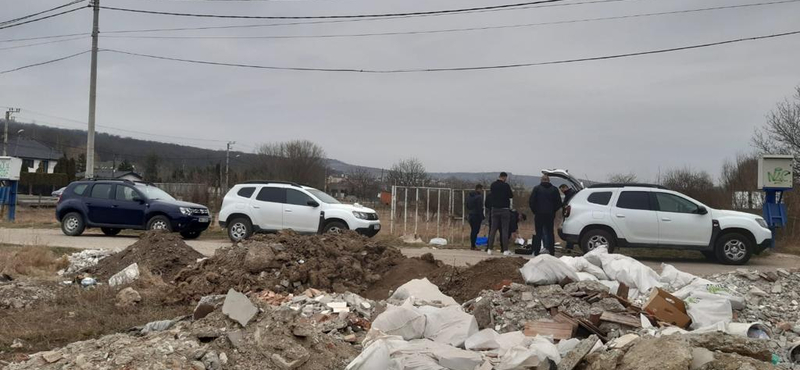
(468, 68)
(40, 13)
(380, 15)
(45, 37)
(41, 43)
(41, 18)
(43, 63)
(465, 28)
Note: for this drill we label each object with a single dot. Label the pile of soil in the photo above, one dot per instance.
(484, 275)
(163, 254)
(424, 266)
(288, 262)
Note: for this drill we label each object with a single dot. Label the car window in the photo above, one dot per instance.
(80, 189)
(273, 195)
(296, 198)
(602, 198)
(126, 193)
(634, 200)
(674, 203)
(246, 192)
(102, 191)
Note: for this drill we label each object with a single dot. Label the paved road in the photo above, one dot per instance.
(457, 257)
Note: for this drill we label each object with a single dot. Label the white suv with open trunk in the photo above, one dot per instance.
(268, 206)
(651, 216)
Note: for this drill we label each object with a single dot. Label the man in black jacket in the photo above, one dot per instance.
(501, 212)
(568, 194)
(475, 207)
(544, 202)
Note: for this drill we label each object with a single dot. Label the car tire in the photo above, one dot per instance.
(711, 256)
(72, 224)
(189, 235)
(109, 231)
(159, 223)
(596, 237)
(734, 249)
(239, 229)
(334, 227)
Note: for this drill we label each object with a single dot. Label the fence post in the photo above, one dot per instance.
(416, 213)
(463, 214)
(405, 213)
(438, 211)
(394, 193)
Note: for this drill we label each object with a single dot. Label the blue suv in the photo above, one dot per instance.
(114, 205)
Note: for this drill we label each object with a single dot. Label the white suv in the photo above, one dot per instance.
(651, 216)
(268, 206)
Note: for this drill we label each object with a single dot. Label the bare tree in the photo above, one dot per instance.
(696, 184)
(363, 183)
(622, 178)
(408, 172)
(781, 133)
(300, 161)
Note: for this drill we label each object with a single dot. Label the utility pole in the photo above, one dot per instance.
(92, 93)
(5, 135)
(228, 163)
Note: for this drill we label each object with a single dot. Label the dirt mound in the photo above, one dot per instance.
(163, 254)
(288, 262)
(484, 275)
(424, 266)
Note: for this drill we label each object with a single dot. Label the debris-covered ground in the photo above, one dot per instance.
(287, 301)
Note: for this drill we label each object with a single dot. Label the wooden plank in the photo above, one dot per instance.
(586, 324)
(558, 330)
(623, 291)
(564, 318)
(626, 320)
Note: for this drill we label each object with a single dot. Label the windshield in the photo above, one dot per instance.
(153, 193)
(325, 198)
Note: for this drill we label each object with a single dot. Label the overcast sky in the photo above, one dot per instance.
(693, 108)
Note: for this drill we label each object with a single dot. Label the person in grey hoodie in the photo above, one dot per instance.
(545, 201)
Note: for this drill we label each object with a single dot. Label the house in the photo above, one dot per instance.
(113, 174)
(34, 154)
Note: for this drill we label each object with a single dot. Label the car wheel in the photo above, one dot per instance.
(159, 223)
(188, 235)
(710, 255)
(239, 229)
(72, 224)
(110, 231)
(334, 227)
(734, 249)
(597, 237)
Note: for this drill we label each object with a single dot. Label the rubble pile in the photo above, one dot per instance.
(84, 259)
(424, 266)
(19, 294)
(161, 253)
(290, 263)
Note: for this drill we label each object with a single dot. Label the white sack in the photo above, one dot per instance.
(418, 362)
(438, 241)
(613, 286)
(595, 256)
(675, 279)
(422, 291)
(518, 358)
(547, 270)
(449, 325)
(566, 346)
(630, 272)
(707, 309)
(405, 321)
(585, 276)
(378, 355)
(488, 340)
(705, 286)
(438, 355)
(126, 276)
(581, 264)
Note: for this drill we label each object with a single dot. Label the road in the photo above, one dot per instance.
(457, 257)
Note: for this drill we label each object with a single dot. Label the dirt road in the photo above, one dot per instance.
(457, 257)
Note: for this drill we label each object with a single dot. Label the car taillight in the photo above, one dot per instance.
(567, 211)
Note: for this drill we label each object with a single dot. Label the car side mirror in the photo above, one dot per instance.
(701, 211)
(138, 200)
(313, 203)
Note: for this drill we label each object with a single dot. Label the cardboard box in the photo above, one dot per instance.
(667, 308)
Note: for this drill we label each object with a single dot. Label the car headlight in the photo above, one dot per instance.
(762, 223)
(186, 211)
(360, 215)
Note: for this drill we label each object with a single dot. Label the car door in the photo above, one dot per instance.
(99, 204)
(636, 217)
(298, 215)
(267, 208)
(681, 221)
(128, 207)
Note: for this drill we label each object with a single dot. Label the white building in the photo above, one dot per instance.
(33, 154)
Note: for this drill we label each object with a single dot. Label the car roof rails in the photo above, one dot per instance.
(626, 185)
(265, 182)
(107, 179)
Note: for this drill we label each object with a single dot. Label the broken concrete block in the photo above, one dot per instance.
(52, 356)
(128, 297)
(207, 305)
(285, 364)
(238, 308)
(622, 341)
(236, 338)
(126, 276)
(608, 360)
(574, 357)
(665, 353)
(758, 292)
(700, 357)
(754, 348)
(732, 361)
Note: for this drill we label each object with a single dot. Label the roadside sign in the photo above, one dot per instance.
(775, 171)
(10, 168)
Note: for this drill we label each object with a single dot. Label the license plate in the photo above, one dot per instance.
(378, 227)
(204, 219)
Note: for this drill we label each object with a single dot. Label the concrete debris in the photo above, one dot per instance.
(207, 305)
(238, 308)
(128, 297)
(84, 259)
(665, 353)
(574, 357)
(126, 276)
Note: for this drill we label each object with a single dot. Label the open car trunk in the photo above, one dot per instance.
(564, 174)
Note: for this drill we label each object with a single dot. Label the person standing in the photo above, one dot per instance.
(544, 202)
(475, 207)
(568, 194)
(501, 213)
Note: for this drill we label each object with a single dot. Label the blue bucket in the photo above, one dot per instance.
(481, 241)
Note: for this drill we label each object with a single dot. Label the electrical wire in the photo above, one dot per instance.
(40, 13)
(44, 63)
(41, 43)
(45, 37)
(468, 68)
(41, 18)
(641, 15)
(348, 16)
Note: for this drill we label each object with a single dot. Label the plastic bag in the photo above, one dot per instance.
(405, 321)
(449, 325)
(675, 279)
(580, 264)
(705, 286)
(708, 309)
(422, 291)
(547, 270)
(378, 355)
(630, 272)
(438, 241)
(585, 276)
(488, 339)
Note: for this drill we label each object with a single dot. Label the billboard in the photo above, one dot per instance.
(775, 172)
(10, 168)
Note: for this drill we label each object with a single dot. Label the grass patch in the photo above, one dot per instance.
(36, 261)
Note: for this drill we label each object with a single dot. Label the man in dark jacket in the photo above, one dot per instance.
(568, 194)
(475, 207)
(501, 212)
(544, 202)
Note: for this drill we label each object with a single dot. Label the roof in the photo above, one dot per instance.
(31, 149)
